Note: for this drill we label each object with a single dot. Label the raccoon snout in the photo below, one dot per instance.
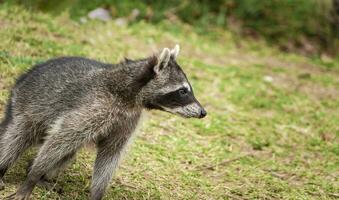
(203, 113)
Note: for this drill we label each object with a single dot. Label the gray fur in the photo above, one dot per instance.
(67, 102)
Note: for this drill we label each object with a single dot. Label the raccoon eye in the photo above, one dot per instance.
(182, 92)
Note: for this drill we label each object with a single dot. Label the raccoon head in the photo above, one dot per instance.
(169, 89)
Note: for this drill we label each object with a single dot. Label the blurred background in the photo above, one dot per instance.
(267, 71)
(306, 26)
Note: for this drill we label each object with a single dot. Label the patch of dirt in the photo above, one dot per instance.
(315, 91)
(301, 67)
(238, 57)
(4, 23)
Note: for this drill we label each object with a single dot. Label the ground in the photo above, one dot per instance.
(272, 126)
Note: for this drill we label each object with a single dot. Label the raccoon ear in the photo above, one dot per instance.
(175, 51)
(162, 60)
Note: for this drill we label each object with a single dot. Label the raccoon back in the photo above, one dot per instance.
(54, 86)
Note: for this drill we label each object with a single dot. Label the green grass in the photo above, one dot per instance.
(272, 127)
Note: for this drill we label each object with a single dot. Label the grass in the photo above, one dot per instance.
(272, 127)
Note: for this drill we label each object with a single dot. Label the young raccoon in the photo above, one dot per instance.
(67, 102)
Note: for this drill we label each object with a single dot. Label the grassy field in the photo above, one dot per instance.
(272, 130)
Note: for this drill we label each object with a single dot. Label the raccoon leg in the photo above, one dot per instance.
(54, 172)
(108, 156)
(54, 152)
(47, 180)
(14, 142)
(61, 165)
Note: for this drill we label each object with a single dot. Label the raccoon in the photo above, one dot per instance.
(67, 102)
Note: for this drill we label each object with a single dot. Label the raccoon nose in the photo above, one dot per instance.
(203, 113)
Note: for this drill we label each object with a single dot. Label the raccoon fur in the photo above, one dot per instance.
(68, 102)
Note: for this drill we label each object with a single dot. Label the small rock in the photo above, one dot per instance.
(121, 21)
(325, 58)
(268, 79)
(100, 14)
(83, 20)
(134, 14)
